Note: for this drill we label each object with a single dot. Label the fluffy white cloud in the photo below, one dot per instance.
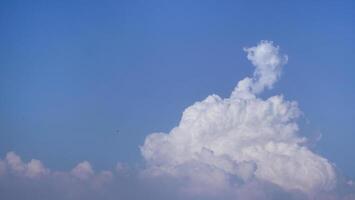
(83, 170)
(35, 168)
(240, 147)
(32, 169)
(15, 162)
(220, 143)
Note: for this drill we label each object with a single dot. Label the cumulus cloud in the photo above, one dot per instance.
(268, 65)
(227, 142)
(83, 170)
(240, 147)
(32, 169)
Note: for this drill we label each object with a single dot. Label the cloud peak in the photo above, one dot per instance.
(268, 64)
(242, 138)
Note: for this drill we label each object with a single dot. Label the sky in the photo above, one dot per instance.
(86, 85)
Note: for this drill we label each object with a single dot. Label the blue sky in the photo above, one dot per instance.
(72, 73)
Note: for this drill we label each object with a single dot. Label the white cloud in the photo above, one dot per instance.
(15, 162)
(32, 169)
(241, 147)
(83, 170)
(268, 65)
(35, 168)
(222, 142)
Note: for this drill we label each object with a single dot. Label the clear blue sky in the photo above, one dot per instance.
(74, 72)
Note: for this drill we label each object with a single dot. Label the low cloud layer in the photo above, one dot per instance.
(240, 147)
(14, 166)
